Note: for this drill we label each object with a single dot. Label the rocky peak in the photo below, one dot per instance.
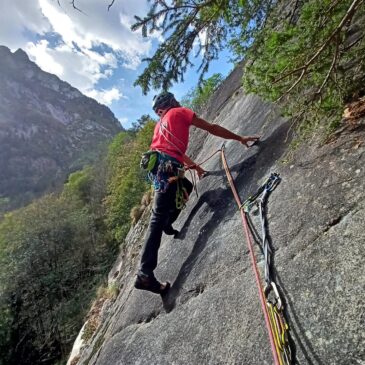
(47, 128)
(21, 56)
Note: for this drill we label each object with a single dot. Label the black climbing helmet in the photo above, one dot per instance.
(164, 100)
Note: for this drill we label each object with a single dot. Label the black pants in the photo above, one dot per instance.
(164, 213)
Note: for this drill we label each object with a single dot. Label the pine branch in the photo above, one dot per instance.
(332, 67)
(328, 13)
(111, 4)
(356, 41)
(347, 17)
(75, 7)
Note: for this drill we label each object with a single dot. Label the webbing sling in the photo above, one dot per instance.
(275, 306)
(273, 314)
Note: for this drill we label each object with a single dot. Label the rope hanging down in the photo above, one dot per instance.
(273, 311)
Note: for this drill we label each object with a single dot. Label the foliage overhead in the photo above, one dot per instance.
(200, 26)
(308, 54)
(314, 64)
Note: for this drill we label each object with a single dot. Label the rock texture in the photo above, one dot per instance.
(47, 128)
(212, 314)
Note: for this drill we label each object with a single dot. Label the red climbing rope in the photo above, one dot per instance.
(192, 175)
(203, 162)
(253, 259)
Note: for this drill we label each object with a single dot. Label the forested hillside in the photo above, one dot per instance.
(55, 253)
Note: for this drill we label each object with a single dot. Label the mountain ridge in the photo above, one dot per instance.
(48, 129)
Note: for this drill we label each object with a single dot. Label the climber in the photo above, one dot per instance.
(168, 147)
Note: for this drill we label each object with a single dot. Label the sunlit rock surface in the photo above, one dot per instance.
(212, 314)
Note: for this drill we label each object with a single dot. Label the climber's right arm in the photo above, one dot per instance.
(222, 132)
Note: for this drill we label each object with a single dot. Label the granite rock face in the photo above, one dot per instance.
(47, 129)
(212, 314)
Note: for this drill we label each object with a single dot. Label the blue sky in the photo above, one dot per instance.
(94, 51)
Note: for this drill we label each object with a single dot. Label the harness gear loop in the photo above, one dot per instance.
(182, 195)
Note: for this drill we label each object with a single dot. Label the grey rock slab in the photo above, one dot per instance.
(212, 314)
(185, 336)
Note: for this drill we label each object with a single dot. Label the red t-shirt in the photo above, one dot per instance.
(171, 134)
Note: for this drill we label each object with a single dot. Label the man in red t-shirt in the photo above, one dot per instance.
(170, 140)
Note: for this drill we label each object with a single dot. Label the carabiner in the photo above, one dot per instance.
(272, 181)
(267, 290)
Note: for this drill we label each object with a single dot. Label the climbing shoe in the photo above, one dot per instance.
(150, 283)
(170, 231)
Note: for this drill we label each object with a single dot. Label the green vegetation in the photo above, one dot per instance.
(55, 252)
(192, 27)
(127, 182)
(307, 54)
(198, 97)
(108, 292)
(313, 65)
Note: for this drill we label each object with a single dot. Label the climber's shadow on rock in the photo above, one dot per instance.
(221, 203)
(215, 200)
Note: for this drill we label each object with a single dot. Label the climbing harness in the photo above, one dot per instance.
(273, 309)
(163, 170)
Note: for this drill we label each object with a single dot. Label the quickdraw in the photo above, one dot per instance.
(276, 307)
(281, 330)
(273, 310)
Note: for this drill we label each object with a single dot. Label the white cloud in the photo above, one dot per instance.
(18, 17)
(83, 69)
(89, 45)
(94, 50)
(106, 96)
(201, 40)
(41, 54)
(98, 27)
